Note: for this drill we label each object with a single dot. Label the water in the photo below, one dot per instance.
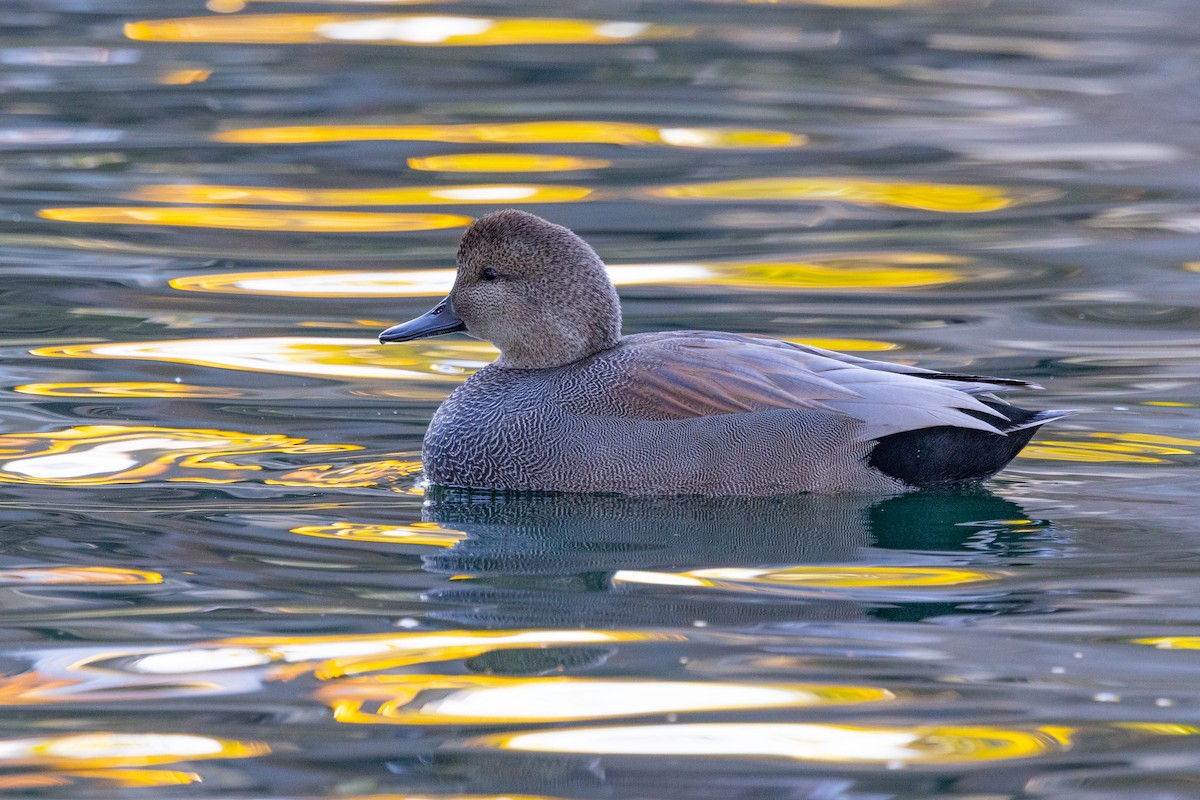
(219, 575)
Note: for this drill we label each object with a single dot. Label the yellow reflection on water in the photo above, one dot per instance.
(342, 655)
(1172, 642)
(859, 345)
(298, 355)
(1159, 728)
(855, 271)
(459, 645)
(803, 741)
(369, 474)
(542, 132)
(256, 219)
(139, 778)
(866, 271)
(92, 576)
(180, 77)
(422, 533)
(132, 778)
(1113, 448)
(943, 197)
(395, 196)
(810, 577)
(97, 455)
(403, 29)
(489, 700)
(88, 751)
(504, 162)
(22, 782)
(127, 389)
(1152, 439)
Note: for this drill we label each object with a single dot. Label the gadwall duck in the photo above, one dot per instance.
(571, 405)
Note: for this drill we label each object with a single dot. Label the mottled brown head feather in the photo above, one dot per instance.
(535, 290)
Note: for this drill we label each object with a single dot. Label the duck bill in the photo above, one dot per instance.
(434, 322)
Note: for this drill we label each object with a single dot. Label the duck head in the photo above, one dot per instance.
(534, 289)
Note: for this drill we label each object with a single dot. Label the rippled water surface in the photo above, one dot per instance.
(220, 577)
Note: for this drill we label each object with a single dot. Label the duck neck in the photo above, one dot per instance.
(564, 337)
(561, 351)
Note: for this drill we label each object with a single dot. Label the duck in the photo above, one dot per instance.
(571, 405)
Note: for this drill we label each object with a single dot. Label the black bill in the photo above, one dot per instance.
(438, 320)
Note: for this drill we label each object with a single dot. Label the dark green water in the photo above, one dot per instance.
(219, 576)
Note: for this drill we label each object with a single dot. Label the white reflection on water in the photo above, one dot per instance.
(820, 742)
(804, 741)
(301, 355)
(100, 459)
(230, 654)
(418, 30)
(202, 660)
(406, 283)
(102, 750)
(534, 700)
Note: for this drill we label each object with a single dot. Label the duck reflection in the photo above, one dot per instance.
(554, 534)
(706, 560)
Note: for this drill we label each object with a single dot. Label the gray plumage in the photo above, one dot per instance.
(572, 406)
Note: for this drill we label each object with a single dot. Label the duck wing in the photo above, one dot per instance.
(972, 384)
(685, 374)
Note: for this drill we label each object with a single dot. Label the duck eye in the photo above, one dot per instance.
(489, 274)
